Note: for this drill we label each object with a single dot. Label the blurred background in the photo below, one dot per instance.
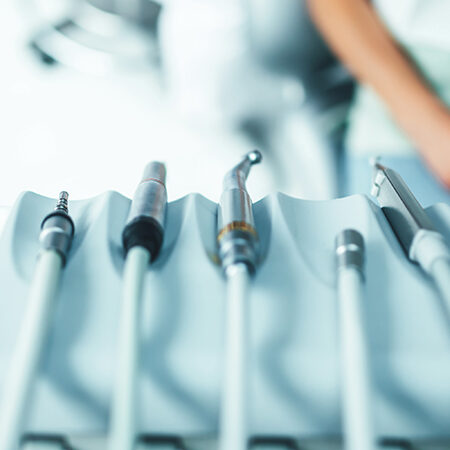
(91, 90)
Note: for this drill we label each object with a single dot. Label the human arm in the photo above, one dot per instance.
(355, 32)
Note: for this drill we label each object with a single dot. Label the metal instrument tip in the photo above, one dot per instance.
(254, 156)
(63, 202)
(374, 160)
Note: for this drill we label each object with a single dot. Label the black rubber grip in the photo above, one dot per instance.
(145, 232)
(61, 214)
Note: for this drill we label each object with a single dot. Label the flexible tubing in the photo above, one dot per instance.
(356, 385)
(25, 360)
(233, 433)
(430, 250)
(123, 415)
(440, 272)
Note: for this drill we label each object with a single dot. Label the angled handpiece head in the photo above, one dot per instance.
(236, 177)
(57, 228)
(145, 223)
(237, 237)
(403, 212)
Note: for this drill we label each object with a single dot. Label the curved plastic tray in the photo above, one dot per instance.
(294, 335)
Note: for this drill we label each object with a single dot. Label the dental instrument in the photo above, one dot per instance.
(238, 245)
(57, 231)
(142, 240)
(415, 232)
(355, 373)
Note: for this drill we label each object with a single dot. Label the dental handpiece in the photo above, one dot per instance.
(415, 232)
(238, 244)
(57, 231)
(355, 373)
(237, 237)
(142, 240)
(145, 222)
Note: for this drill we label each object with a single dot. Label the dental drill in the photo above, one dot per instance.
(57, 230)
(415, 232)
(142, 240)
(355, 373)
(238, 244)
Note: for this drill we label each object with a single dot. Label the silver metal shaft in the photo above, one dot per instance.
(235, 204)
(150, 197)
(237, 237)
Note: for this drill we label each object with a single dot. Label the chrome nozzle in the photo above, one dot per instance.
(349, 247)
(150, 198)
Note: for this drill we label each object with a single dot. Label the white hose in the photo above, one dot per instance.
(356, 385)
(431, 252)
(25, 360)
(123, 416)
(440, 272)
(233, 420)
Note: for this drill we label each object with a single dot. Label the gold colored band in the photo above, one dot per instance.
(153, 179)
(241, 226)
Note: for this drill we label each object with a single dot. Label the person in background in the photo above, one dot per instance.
(399, 51)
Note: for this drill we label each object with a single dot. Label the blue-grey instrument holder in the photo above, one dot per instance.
(294, 363)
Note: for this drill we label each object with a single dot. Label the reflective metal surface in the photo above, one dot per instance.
(237, 237)
(403, 211)
(150, 198)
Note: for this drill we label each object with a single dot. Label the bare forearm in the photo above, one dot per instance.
(357, 35)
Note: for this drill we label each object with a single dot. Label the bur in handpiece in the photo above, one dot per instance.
(237, 237)
(146, 219)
